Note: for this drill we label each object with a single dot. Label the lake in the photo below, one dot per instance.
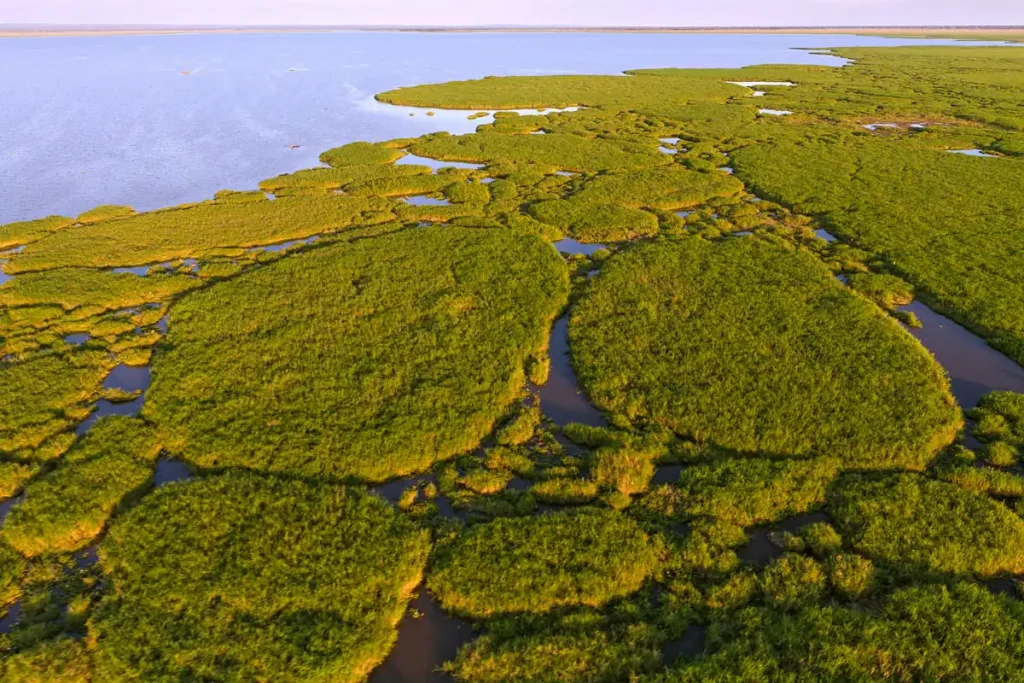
(154, 121)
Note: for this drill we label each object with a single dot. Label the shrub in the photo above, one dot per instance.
(920, 525)
(852, 576)
(538, 564)
(793, 581)
(714, 341)
(419, 347)
(247, 577)
(68, 507)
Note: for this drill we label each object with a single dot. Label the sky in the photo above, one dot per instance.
(518, 12)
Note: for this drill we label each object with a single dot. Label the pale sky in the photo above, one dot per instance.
(518, 12)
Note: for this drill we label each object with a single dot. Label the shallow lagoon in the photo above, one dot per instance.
(154, 121)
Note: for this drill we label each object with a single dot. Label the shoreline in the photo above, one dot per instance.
(1008, 32)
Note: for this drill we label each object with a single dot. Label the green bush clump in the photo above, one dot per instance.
(67, 508)
(244, 577)
(748, 491)
(921, 525)
(821, 539)
(888, 291)
(1001, 454)
(850, 575)
(357, 153)
(541, 563)
(626, 468)
(596, 222)
(1000, 417)
(12, 569)
(12, 476)
(927, 633)
(192, 230)
(62, 660)
(792, 581)
(485, 481)
(521, 427)
(584, 653)
(370, 359)
(565, 491)
(747, 345)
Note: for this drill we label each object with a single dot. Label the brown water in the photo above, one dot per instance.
(561, 398)
(427, 638)
(688, 646)
(974, 367)
(761, 550)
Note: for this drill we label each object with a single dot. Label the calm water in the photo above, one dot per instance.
(158, 120)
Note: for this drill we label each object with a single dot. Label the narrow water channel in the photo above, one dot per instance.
(561, 398)
(427, 638)
(974, 367)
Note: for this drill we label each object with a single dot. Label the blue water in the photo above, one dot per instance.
(152, 121)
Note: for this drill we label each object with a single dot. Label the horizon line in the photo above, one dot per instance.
(497, 27)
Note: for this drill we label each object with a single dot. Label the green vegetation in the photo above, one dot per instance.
(809, 369)
(749, 491)
(106, 212)
(542, 563)
(26, 232)
(817, 523)
(554, 152)
(67, 508)
(241, 577)
(999, 420)
(74, 287)
(959, 261)
(195, 230)
(918, 525)
(928, 633)
(12, 566)
(43, 397)
(65, 660)
(370, 359)
(358, 153)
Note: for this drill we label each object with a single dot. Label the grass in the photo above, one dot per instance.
(360, 153)
(553, 152)
(962, 261)
(757, 348)
(386, 347)
(927, 633)
(749, 491)
(12, 568)
(71, 288)
(44, 396)
(323, 179)
(26, 232)
(242, 577)
(922, 526)
(999, 417)
(67, 508)
(542, 563)
(368, 360)
(195, 230)
(64, 659)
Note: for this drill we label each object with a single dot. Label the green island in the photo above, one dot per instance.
(252, 437)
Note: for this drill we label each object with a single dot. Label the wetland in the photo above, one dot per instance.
(685, 388)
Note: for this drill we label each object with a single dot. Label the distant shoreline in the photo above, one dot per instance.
(998, 32)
